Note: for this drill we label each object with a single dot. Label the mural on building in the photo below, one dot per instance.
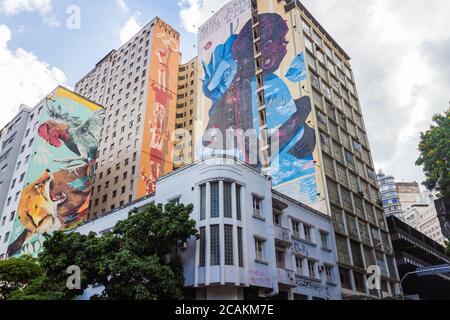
(230, 100)
(61, 171)
(157, 150)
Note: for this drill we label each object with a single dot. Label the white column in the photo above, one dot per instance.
(235, 235)
(222, 234)
(208, 235)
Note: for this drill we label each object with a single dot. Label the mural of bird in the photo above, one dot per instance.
(82, 138)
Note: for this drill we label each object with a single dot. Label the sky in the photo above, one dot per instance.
(400, 52)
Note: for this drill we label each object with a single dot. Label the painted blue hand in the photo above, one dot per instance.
(220, 70)
(297, 70)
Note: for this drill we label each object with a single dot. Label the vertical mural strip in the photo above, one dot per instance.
(60, 174)
(157, 145)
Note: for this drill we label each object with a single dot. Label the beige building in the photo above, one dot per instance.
(137, 84)
(409, 193)
(186, 113)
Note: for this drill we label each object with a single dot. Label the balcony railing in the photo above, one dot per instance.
(283, 236)
(286, 277)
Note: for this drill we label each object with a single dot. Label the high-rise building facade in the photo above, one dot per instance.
(51, 174)
(389, 195)
(409, 194)
(137, 84)
(186, 113)
(270, 67)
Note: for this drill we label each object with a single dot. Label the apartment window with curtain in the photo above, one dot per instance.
(257, 206)
(203, 202)
(259, 249)
(240, 248)
(229, 259)
(202, 248)
(215, 200)
(228, 212)
(280, 258)
(215, 245)
(312, 269)
(324, 239)
(329, 274)
(308, 232)
(238, 203)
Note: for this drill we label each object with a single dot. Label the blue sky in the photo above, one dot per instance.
(76, 51)
(400, 53)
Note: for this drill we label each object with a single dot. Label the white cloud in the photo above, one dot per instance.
(130, 28)
(17, 6)
(194, 13)
(23, 79)
(123, 5)
(43, 7)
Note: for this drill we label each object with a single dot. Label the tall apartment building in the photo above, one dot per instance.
(48, 170)
(389, 195)
(409, 194)
(268, 65)
(10, 141)
(186, 113)
(137, 84)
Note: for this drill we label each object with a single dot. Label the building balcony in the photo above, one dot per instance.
(286, 277)
(283, 236)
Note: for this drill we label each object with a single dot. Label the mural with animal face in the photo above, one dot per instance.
(230, 100)
(59, 180)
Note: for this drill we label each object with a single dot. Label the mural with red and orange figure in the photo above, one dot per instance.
(157, 145)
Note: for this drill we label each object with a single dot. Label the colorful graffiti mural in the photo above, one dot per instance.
(230, 100)
(61, 171)
(157, 150)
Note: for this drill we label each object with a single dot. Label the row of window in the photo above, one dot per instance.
(214, 245)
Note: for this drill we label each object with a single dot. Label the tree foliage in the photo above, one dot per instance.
(434, 150)
(138, 260)
(17, 273)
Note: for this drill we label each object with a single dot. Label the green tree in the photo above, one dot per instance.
(434, 150)
(17, 273)
(138, 260)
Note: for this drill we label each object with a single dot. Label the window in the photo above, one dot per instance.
(203, 202)
(215, 200)
(6, 237)
(12, 215)
(257, 207)
(296, 229)
(259, 249)
(238, 202)
(312, 269)
(202, 239)
(277, 219)
(299, 265)
(324, 239)
(344, 274)
(229, 259)
(280, 259)
(215, 245)
(240, 248)
(329, 274)
(228, 213)
(308, 233)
